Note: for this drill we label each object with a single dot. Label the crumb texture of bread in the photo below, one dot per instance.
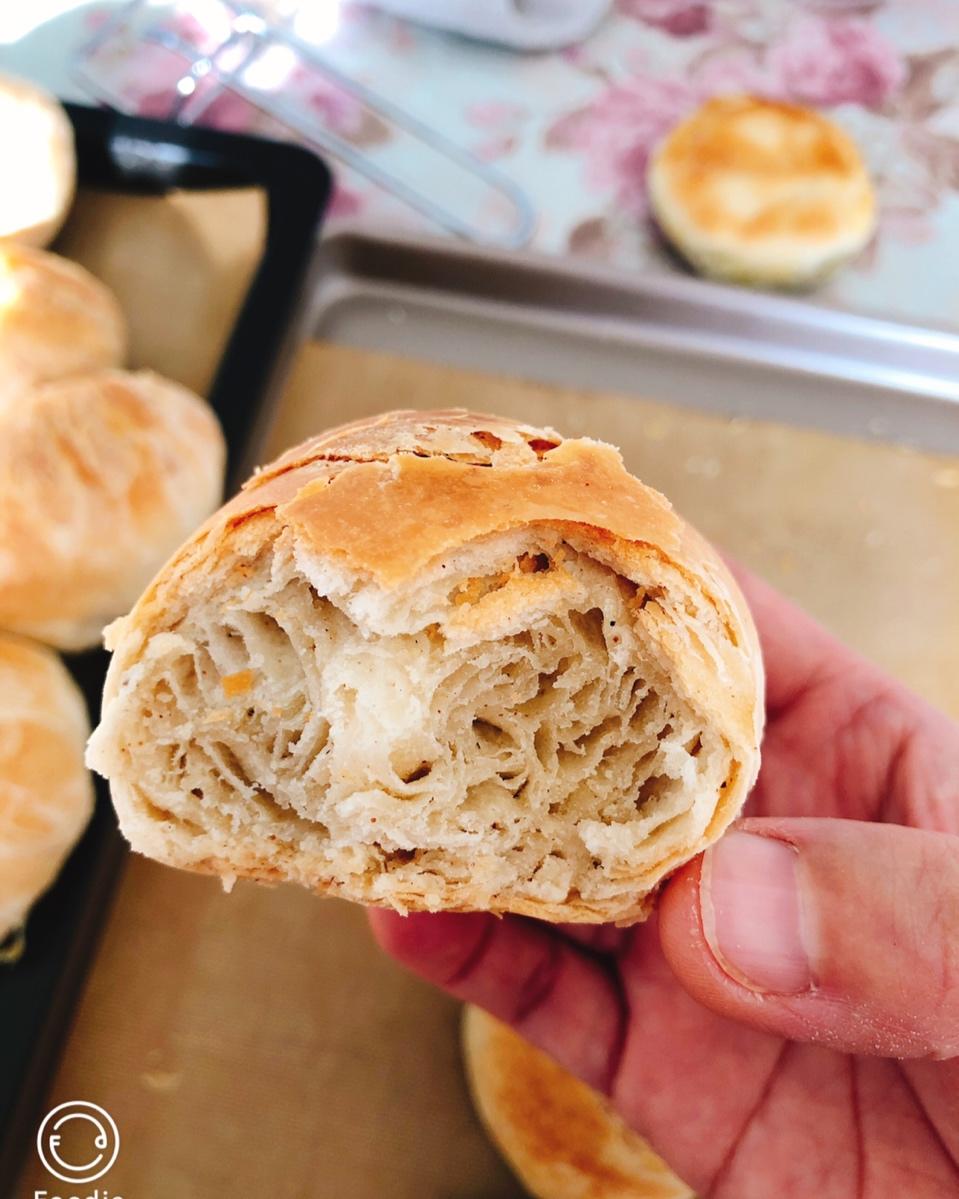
(56, 320)
(759, 191)
(437, 660)
(46, 793)
(37, 149)
(563, 1139)
(101, 478)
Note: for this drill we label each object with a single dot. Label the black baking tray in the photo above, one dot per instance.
(132, 155)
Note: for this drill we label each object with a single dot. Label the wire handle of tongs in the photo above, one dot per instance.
(189, 102)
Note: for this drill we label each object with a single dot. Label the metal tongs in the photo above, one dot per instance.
(186, 57)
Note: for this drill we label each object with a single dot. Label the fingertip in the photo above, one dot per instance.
(680, 921)
(679, 901)
(430, 943)
(388, 927)
(832, 932)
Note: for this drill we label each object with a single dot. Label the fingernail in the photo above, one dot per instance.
(752, 915)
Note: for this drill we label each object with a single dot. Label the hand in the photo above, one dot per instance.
(788, 1024)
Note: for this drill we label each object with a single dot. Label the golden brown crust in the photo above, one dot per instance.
(463, 435)
(761, 190)
(56, 320)
(46, 794)
(563, 1139)
(433, 504)
(45, 169)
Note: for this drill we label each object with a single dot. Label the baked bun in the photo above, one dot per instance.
(46, 793)
(101, 478)
(56, 320)
(40, 169)
(562, 1138)
(761, 192)
(438, 660)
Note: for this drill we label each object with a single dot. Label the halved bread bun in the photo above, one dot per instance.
(46, 793)
(438, 660)
(36, 148)
(757, 191)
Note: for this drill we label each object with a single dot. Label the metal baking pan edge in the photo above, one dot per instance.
(887, 380)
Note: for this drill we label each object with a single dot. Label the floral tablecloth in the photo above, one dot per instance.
(575, 128)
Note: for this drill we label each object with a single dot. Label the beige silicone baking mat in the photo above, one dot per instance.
(256, 1044)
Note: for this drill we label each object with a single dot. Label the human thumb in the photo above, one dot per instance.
(837, 932)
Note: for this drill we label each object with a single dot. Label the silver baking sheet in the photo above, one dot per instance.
(681, 340)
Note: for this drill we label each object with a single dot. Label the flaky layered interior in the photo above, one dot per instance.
(499, 732)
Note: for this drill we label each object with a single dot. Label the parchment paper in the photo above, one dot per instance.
(180, 266)
(256, 1044)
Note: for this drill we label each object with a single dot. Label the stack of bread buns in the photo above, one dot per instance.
(103, 472)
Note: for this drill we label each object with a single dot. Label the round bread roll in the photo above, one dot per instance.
(46, 793)
(36, 148)
(438, 660)
(562, 1138)
(56, 320)
(761, 192)
(101, 477)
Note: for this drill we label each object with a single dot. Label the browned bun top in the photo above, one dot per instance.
(563, 1139)
(761, 190)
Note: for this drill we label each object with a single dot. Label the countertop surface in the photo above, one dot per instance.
(573, 128)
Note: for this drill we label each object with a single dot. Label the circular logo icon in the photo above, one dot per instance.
(78, 1142)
